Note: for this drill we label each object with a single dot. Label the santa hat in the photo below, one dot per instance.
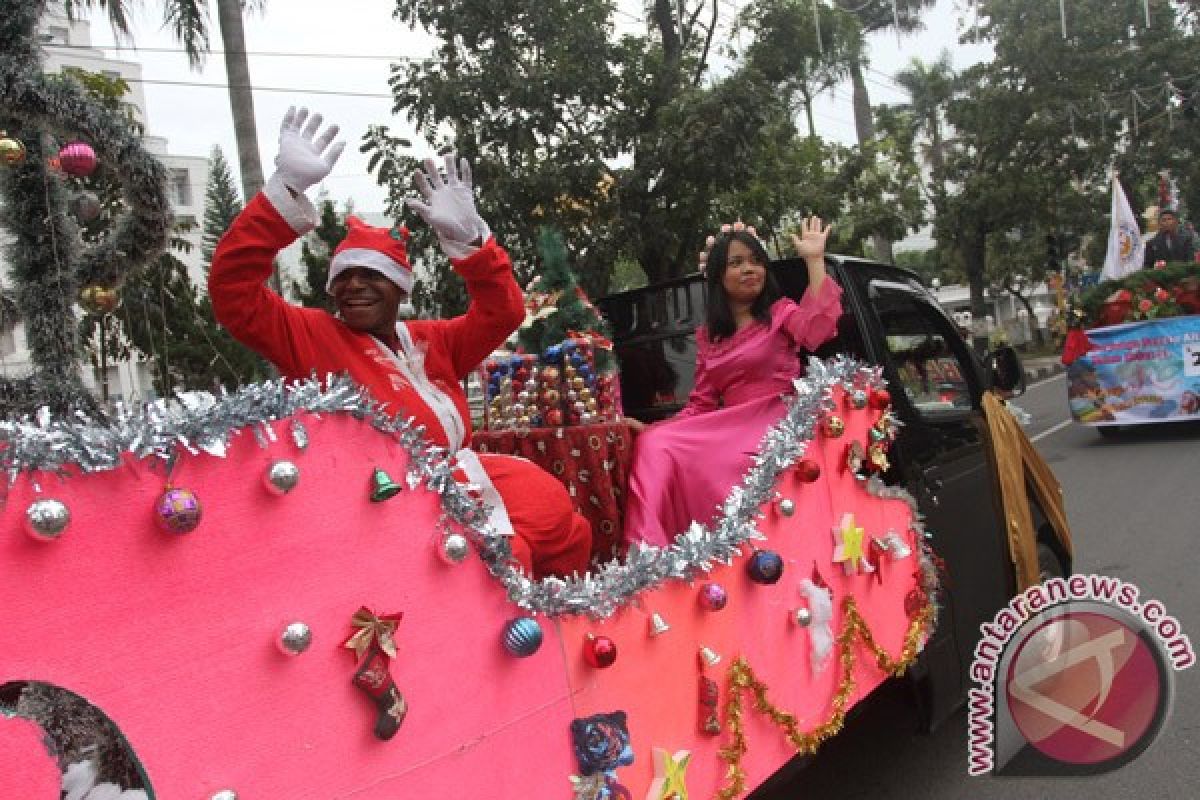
(381, 249)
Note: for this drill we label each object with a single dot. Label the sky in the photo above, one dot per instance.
(336, 57)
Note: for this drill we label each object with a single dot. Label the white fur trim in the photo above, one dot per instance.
(468, 461)
(372, 259)
(297, 211)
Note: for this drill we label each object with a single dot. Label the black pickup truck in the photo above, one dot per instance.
(941, 455)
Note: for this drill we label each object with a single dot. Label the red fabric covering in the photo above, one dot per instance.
(303, 341)
(1077, 344)
(592, 461)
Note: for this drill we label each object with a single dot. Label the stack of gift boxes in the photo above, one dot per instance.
(561, 387)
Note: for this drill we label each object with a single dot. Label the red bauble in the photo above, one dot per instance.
(808, 470)
(880, 399)
(599, 651)
(554, 418)
(78, 159)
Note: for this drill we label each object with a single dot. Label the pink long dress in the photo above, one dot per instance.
(684, 467)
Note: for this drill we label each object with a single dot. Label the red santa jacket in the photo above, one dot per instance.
(301, 341)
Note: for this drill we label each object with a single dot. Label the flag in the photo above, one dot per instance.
(1125, 245)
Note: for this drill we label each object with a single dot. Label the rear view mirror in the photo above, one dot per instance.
(1007, 374)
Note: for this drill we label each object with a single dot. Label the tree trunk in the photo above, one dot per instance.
(241, 104)
(974, 249)
(864, 128)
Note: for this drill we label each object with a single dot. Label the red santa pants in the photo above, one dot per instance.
(549, 537)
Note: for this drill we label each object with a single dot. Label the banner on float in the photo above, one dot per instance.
(1138, 372)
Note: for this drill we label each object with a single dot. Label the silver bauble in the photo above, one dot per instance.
(86, 206)
(858, 399)
(454, 548)
(281, 477)
(46, 519)
(295, 639)
(224, 794)
(803, 617)
(787, 507)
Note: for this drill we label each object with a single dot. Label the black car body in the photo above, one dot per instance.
(941, 455)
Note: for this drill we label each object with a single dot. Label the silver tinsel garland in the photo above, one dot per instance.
(200, 422)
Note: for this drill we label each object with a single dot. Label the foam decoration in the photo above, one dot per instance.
(175, 636)
(670, 780)
(820, 610)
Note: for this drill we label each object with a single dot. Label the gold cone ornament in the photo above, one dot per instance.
(383, 487)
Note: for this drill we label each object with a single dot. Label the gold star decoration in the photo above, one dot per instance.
(669, 780)
(848, 537)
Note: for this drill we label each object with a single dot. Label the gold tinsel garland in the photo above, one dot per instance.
(743, 679)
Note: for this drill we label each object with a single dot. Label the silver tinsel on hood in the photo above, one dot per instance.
(198, 421)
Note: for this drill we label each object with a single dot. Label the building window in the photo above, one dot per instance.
(181, 187)
(112, 75)
(58, 35)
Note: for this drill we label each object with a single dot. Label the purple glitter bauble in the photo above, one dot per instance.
(178, 511)
(713, 596)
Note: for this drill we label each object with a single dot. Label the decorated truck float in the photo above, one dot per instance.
(283, 592)
(1134, 355)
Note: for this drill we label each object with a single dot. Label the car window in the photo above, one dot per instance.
(921, 348)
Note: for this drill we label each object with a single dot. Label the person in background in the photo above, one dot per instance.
(1171, 243)
(414, 368)
(746, 360)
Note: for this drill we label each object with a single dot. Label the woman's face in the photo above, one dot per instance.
(744, 274)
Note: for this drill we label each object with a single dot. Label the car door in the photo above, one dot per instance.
(936, 388)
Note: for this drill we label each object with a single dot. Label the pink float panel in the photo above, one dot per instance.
(174, 636)
(655, 678)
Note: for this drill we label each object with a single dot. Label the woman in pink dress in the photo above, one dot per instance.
(746, 359)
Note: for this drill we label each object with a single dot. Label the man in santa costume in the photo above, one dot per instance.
(414, 368)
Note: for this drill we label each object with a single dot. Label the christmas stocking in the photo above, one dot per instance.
(372, 677)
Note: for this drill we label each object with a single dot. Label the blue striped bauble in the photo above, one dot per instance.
(522, 636)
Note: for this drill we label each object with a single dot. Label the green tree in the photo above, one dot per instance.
(221, 203)
(625, 144)
(929, 88)
(790, 50)
(189, 22)
(1038, 129)
(903, 16)
(316, 251)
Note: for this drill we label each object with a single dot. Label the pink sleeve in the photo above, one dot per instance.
(813, 321)
(704, 393)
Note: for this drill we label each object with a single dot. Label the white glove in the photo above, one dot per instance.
(304, 161)
(448, 206)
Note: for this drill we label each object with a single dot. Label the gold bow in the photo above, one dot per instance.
(372, 629)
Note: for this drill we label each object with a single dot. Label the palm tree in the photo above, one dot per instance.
(876, 15)
(189, 21)
(929, 87)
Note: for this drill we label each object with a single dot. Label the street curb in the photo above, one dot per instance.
(1041, 373)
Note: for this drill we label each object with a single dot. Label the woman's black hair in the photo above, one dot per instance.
(719, 320)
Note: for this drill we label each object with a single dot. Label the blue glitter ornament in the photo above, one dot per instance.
(765, 566)
(554, 353)
(522, 636)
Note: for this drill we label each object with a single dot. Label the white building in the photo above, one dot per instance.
(68, 43)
